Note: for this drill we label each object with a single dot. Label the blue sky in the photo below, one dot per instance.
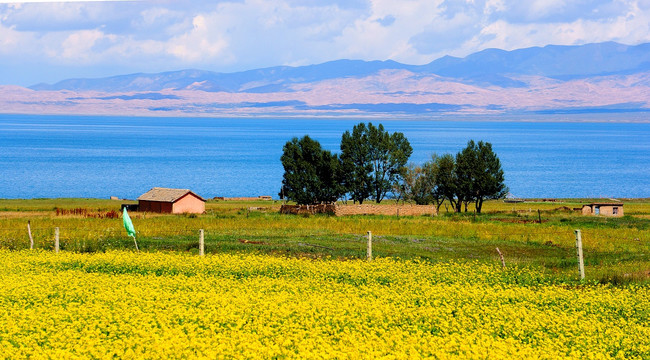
(42, 41)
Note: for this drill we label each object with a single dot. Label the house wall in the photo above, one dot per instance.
(605, 210)
(608, 210)
(189, 204)
(154, 206)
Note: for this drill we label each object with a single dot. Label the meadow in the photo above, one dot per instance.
(616, 249)
(286, 286)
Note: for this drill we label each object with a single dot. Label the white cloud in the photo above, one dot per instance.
(198, 45)
(78, 46)
(367, 38)
(628, 28)
(231, 35)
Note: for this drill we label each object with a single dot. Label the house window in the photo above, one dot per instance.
(615, 210)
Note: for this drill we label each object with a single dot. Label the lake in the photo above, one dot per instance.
(101, 156)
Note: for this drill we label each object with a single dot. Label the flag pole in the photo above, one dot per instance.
(136, 244)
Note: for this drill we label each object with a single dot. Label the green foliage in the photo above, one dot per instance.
(472, 176)
(445, 179)
(478, 175)
(418, 184)
(356, 163)
(311, 174)
(374, 161)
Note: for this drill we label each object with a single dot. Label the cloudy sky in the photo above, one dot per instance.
(44, 41)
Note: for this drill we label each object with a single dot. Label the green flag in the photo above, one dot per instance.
(128, 224)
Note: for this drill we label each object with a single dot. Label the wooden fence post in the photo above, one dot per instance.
(201, 242)
(503, 262)
(56, 240)
(369, 253)
(29, 232)
(581, 264)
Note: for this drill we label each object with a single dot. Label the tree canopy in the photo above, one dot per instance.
(473, 175)
(356, 165)
(311, 174)
(477, 176)
(373, 161)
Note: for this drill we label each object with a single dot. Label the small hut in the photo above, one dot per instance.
(605, 209)
(174, 201)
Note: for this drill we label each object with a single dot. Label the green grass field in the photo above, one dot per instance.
(617, 250)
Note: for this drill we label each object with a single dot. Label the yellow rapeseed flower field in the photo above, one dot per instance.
(168, 305)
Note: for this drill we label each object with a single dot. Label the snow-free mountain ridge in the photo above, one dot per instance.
(593, 78)
(488, 67)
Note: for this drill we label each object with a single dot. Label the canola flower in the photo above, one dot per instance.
(168, 305)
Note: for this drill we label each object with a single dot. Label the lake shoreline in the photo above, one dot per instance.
(636, 117)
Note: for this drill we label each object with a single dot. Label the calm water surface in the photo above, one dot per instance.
(95, 156)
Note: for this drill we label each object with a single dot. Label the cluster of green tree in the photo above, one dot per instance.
(472, 176)
(372, 164)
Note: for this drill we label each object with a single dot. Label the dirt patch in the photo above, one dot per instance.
(518, 221)
(244, 241)
(564, 208)
(23, 214)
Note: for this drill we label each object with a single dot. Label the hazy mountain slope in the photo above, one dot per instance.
(560, 62)
(258, 80)
(487, 67)
(606, 77)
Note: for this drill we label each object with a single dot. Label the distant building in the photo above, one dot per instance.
(174, 201)
(605, 209)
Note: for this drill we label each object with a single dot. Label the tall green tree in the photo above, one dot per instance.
(430, 181)
(479, 176)
(356, 165)
(311, 174)
(446, 179)
(464, 175)
(389, 154)
(372, 161)
(489, 179)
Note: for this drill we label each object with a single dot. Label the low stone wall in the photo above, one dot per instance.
(361, 209)
(307, 209)
(392, 209)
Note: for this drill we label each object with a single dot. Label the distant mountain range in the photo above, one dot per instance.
(604, 77)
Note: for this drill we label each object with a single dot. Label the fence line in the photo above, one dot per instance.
(38, 231)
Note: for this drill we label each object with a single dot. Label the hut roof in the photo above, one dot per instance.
(166, 194)
(604, 204)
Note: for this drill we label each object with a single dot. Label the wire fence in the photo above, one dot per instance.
(302, 243)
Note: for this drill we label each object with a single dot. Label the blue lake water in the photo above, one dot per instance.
(97, 156)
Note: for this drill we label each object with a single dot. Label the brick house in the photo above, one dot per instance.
(605, 209)
(174, 201)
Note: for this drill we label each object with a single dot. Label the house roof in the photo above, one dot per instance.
(604, 204)
(166, 194)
